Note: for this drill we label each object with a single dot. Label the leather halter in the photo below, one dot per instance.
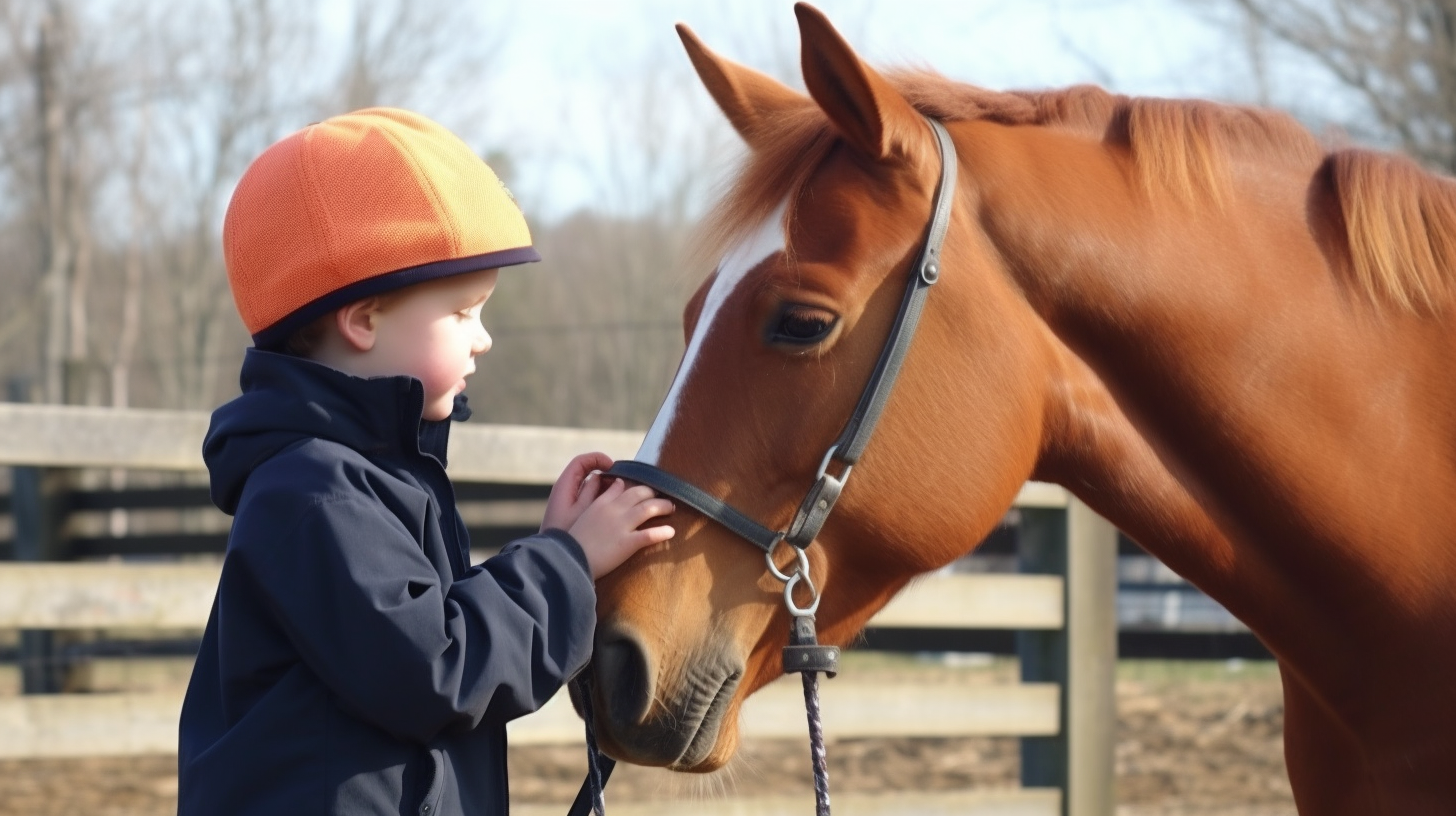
(822, 496)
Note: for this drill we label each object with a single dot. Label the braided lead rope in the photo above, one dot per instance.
(806, 657)
(592, 796)
(594, 770)
(816, 744)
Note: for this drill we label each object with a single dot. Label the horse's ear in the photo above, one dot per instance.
(866, 111)
(748, 98)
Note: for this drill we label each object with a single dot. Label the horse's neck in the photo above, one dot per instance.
(1091, 446)
(1219, 326)
(1089, 264)
(1228, 403)
(1096, 450)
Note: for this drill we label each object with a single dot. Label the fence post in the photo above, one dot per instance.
(1090, 716)
(37, 506)
(1081, 657)
(1042, 549)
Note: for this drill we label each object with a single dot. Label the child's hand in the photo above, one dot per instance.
(574, 490)
(607, 529)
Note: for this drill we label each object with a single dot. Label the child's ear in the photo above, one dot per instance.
(356, 323)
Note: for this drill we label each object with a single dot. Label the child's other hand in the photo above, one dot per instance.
(574, 490)
(607, 529)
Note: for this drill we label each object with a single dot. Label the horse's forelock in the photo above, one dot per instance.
(774, 172)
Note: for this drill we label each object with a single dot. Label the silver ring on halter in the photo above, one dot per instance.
(801, 573)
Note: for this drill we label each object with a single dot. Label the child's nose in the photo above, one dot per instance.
(482, 342)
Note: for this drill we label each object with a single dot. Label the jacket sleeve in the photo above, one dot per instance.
(367, 613)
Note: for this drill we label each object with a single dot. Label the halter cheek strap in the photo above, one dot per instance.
(819, 502)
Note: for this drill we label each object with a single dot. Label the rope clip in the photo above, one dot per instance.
(804, 654)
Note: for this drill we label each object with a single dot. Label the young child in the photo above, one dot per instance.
(354, 662)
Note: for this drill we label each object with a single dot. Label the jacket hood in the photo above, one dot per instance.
(288, 399)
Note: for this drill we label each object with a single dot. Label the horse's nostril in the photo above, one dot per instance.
(623, 677)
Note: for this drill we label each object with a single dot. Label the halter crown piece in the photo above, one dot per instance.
(804, 654)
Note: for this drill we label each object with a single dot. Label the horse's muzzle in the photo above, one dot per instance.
(641, 722)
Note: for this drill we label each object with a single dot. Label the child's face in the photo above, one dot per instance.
(433, 333)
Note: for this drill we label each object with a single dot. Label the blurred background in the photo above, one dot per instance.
(124, 125)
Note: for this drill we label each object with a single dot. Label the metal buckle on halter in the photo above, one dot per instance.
(824, 467)
(801, 573)
(818, 503)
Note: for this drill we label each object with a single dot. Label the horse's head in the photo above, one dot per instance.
(821, 232)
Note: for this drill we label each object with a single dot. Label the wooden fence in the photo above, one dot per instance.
(1062, 607)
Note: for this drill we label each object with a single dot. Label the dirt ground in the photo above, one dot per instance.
(1193, 740)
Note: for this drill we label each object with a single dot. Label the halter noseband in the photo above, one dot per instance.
(814, 510)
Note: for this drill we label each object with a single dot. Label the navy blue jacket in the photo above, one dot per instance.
(354, 662)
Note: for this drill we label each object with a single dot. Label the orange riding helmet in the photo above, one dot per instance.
(358, 205)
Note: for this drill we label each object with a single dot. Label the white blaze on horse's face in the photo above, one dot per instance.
(758, 247)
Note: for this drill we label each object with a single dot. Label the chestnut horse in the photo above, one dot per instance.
(1234, 345)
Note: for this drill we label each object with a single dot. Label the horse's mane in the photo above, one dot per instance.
(1398, 221)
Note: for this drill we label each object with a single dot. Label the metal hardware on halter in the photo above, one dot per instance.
(801, 573)
(930, 271)
(818, 503)
(804, 654)
(824, 465)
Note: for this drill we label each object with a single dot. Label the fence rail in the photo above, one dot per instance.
(179, 596)
(75, 436)
(1026, 802)
(120, 595)
(1063, 610)
(89, 725)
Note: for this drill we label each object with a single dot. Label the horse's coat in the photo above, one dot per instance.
(1231, 344)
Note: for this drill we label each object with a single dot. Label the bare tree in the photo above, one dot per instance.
(1398, 56)
(416, 54)
(125, 125)
(69, 94)
(243, 99)
(592, 337)
(123, 128)
(55, 91)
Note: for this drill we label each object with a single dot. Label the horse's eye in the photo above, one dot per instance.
(802, 325)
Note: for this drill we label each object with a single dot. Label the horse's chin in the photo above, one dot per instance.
(693, 731)
(716, 739)
(724, 747)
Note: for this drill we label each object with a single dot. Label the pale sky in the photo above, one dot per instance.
(577, 77)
